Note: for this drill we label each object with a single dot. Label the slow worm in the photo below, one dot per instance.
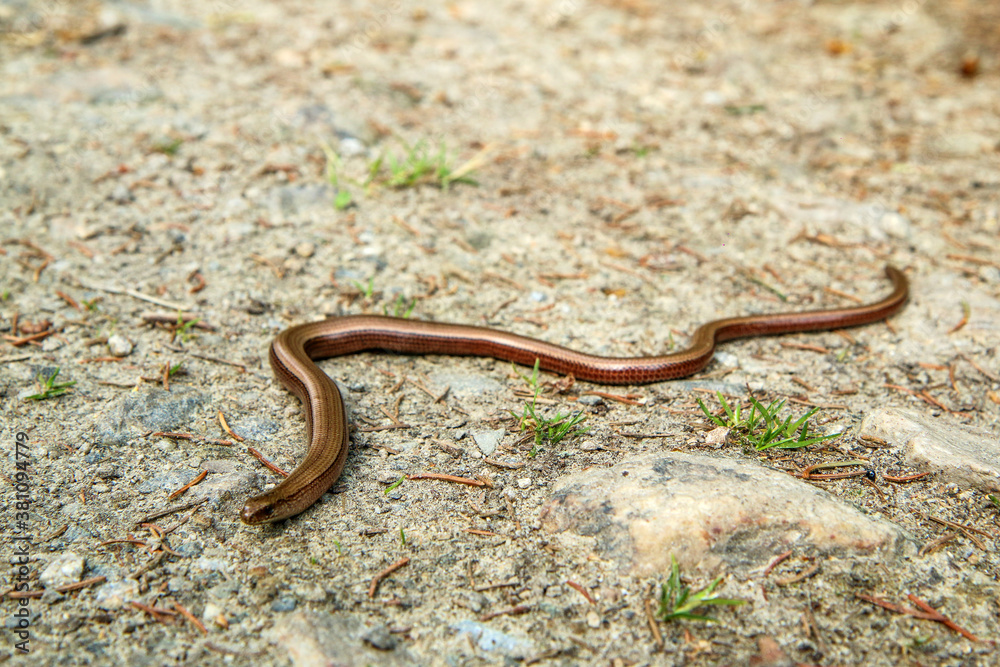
(293, 352)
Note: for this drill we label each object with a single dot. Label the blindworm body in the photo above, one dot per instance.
(293, 352)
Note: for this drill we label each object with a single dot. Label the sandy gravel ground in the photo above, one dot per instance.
(640, 168)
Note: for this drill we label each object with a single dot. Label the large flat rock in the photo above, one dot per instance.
(958, 454)
(707, 511)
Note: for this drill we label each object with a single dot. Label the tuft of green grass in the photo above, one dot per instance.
(419, 165)
(678, 601)
(342, 200)
(168, 147)
(50, 388)
(399, 307)
(402, 537)
(744, 110)
(762, 429)
(184, 328)
(395, 484)
(546, 429)
(366, 290)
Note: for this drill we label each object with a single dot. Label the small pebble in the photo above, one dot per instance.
(116, 594)
(388, 477)
(524, 483)
(716, 436)
(119, 346)
(380, 638)
(305, 249)
(66, 569)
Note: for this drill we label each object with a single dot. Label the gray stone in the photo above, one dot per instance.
(487, 440)
(960, 455)
(116, 594)
(65, 569)
(319, 638)
(224, 486)
(292, 199)
(169, 481)
(494, 641)
(465, 386)
(119, 346)
(152, 410)
(380, 638)
(707, 511)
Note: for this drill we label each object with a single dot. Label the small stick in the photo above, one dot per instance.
(138, 295)
(196, 480)
(974, 260)
(802, 383)
(805, 574)
(991, 376)
(267, 464)
(199, 281)
(875, 442)
(173, 435)
(240, 366)
(87, 252)
(960, 526)
(804, 346)
(266, 262)
(774, 562)
(583, 591)
(628, 399)
(385, 573)
(836, 475)
(66, 588)
(941, 618)
(68, 299)
(512, 611)
(58, 531)
(931, 546)
(171, 510)
(447, 478)
(437, 398)
(496, 311)
(899, 609)
(872, 484)
(923, 395)
(124, 541)
(933, 401)
(157, 614)
(189, 616)
(490, 587)
(18, 342)
(837, 292)
(451, 450)
(837, 464)
(225, 427)
(907, 478)
(653, 627)
(163, 318)
(501, 464)
(484, 533)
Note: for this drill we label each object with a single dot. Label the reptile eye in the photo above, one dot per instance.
(870, 473)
